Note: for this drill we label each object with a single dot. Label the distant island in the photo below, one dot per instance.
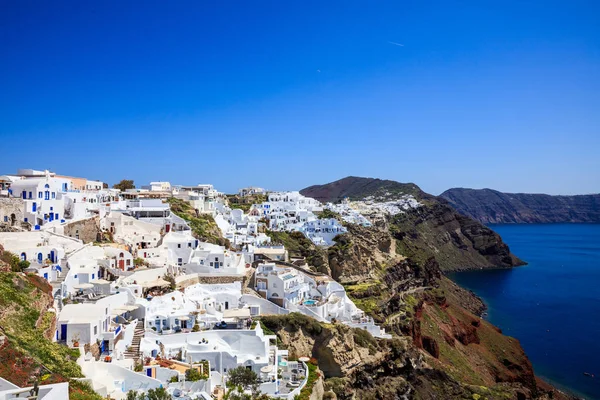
(490, 206)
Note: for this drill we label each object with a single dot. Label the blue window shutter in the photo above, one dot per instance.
(24, 194)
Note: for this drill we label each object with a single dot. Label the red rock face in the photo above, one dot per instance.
(464, 333)
(431, 346)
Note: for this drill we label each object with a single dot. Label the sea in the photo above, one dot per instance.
(552, 305)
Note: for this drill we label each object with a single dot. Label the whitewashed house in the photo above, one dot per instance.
(43, 202)
(323, 231)
(318, 296)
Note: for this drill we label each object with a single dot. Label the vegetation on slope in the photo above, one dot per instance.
(203, 226)
(300, 246)
(357, 188)
(11, 261)
(245, 202)
(26, 353)
(457, 242)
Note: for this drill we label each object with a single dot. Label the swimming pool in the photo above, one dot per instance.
(310, 302)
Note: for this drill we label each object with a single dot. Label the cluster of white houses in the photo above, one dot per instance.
(153, 301)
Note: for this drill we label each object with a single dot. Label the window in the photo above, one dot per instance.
(211, 264)
(55, 216)
(75, 276)
(221, 264)
(178, 245)
(53, 195)
(30, 195)
(46, 195)
(95, 330)
(190, 244)
(24, 194)
(5, 218)
(25, 219)
(128, 262)
(39, 195)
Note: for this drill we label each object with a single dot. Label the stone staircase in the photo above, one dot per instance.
(56, 285)
(138, 334)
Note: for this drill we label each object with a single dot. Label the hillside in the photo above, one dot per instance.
(27, 353)
(432, 229)
(203, 226)
(490, 206)
(441, 349)
(356, 188)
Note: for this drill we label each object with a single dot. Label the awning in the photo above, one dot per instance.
(266, 369)
(101, 282)
(184, 318)
(237, 313)
(117, 311)
(129, 308)
(83, 286)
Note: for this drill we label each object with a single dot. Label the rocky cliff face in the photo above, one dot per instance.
(491, 206)
(457, 242)
(442, 351)
(432, 229)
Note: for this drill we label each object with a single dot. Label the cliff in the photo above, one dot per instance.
(432, 229)
(490, 206)
(357, 188)
(27, 325)
(440, 350)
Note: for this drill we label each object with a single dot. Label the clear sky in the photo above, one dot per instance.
(285, 94)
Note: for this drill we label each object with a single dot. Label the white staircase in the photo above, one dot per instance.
(134, 352)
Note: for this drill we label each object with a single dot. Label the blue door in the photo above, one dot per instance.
(46, 276)
(51, 217)
(52, 256)
(40, 257)
(33, 207)
(63, 332)
(149, 372)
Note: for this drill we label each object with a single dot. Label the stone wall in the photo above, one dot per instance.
(12, 208)
(186, 281)
(87, 230)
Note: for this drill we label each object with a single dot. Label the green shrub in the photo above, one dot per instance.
(292, 322)
(193, 375)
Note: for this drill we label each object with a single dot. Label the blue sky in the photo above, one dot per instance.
(285, 94)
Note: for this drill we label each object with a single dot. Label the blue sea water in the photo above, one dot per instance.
(552, 305)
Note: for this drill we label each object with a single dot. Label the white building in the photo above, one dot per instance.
(82, 323)
(318, 296)
(53, 391)
(94, 185)
(42, 198)
(323, 231)
(158, 187)
(251, 190)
